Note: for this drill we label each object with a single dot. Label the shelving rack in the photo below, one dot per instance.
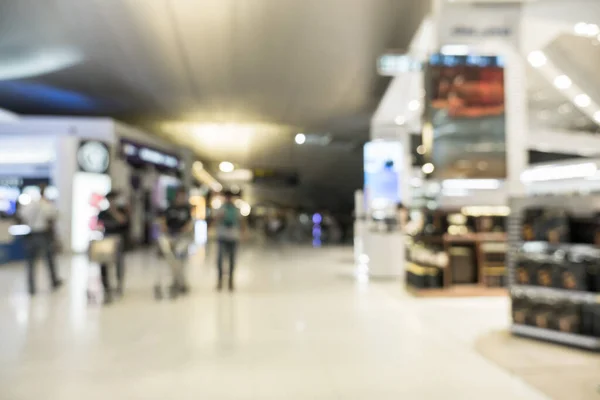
(515, 243)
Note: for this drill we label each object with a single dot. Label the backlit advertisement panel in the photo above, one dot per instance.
(467, 113)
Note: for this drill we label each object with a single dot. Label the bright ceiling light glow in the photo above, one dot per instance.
(558, 172)
(421, 149)
(414, 105)
(580, 28)
(300, 138)
(584, 29)
(597, 116)
(400, 120)
(582, 100)
(428, 168)
(245, 209)
(226, 166)
(562, 82)
(216, 203)
(537, 59)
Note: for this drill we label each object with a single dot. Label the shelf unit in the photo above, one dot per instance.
(515, 244)
(560, 294)
(570, 339)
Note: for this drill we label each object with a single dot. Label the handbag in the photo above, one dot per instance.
(104, 251)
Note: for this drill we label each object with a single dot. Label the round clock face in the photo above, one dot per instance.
(93, 157)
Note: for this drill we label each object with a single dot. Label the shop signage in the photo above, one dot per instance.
(139, 154)
(395, 64)
(474, 23)
(93, 156)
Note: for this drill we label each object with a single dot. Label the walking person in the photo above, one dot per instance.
(177, 228)
(114, 222)
(40, 216)
(229, 226)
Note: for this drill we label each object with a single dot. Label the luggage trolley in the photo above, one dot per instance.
(102, 251)
(175, 250)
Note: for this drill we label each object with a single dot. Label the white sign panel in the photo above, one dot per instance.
(89, 191)
(476, 23)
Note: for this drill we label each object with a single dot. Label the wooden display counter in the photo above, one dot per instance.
(474, 266)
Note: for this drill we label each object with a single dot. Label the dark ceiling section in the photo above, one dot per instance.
(298, 65)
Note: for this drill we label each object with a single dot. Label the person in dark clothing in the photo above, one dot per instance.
(40, 216)
(177, 226)
(229, 229)
(114, 222)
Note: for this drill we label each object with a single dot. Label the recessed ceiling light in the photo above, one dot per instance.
(226, 166)
(400, 120)
(300, 138)
(428, 168)
(582, 100)
(414, 105)
(583, 29)
(421, 149)
(562, 82)
(537, 59)
(597, 116)
(580, 28)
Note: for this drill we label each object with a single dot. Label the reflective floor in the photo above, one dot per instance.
(298, 327)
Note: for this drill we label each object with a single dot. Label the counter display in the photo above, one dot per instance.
(457, 251)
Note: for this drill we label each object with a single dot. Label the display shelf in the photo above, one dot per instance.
(562, 294)
(544, 252)
(570, 339)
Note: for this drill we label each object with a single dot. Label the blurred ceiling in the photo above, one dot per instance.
(577, 57)
(233, 79)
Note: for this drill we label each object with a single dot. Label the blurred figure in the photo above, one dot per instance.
(40, 215)
(115, 222)
(229, 226)
(177, 225)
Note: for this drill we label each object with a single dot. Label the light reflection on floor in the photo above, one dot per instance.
(297, 328)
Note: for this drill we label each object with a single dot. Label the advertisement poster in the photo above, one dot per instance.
(467, 113)
(382, 167)
(89, 191)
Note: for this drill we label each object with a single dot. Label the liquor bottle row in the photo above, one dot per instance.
(559, 315)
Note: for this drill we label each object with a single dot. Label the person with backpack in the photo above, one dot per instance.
(229, 227)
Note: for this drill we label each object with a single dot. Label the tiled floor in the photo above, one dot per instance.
(561, 372)
(299, 327)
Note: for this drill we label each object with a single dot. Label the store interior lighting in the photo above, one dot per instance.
(428, 168)
(300, 138)
(226, 166)
(559, 172)
(586, 29)
(562, 82)
(582, 100)
(414, 105)
(537, 59)
(204, 177)
(400, 120)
